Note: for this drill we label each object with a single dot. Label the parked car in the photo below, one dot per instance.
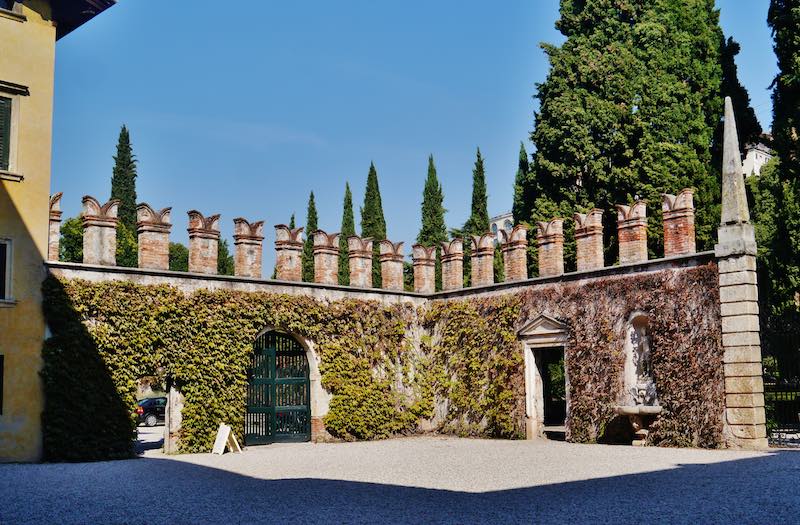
(151, 410)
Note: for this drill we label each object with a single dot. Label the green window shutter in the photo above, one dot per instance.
(5, 131)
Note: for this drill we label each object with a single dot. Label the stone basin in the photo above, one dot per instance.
(638, 410)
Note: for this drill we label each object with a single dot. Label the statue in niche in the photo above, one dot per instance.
(644, 391)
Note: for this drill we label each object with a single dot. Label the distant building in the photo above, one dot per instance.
(504, 221)
(756, 155)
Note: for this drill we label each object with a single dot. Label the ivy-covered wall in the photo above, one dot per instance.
(453, 366)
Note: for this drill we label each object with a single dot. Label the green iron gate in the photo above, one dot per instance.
(278, 392)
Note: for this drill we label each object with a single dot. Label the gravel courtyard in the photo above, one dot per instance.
(415, 480)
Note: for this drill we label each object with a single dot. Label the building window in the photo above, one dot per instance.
(5, 269)
(5, 132)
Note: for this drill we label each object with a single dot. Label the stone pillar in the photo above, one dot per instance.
(589, 239)
(173, 419)
(738, 290)
(424, 258)
(632, 232)
(678, 223)
(453, 265)
(482, 259)
(515, 253)
(359, 254)
(203, 242)
(54, 232)
(153, 229)
(247, 239)
(550, 244)
(391, 257)
(99, 231)
(288, 253)
(326, 257)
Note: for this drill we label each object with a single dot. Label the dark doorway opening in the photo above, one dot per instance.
(550, 362)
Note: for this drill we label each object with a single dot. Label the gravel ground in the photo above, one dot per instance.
(416, 480)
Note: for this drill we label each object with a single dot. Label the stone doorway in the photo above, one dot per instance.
(546, 381)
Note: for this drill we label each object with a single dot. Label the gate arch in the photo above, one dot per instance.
(279, 404)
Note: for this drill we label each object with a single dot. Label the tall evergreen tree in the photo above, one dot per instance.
(478, 221)
(348, 229)
(433, 230)
(629, 109)
(308, 245)
(224, 258)
(776, 195)
(524, 190)
(747, 124)
(123, 187)
(373, 223)
(291, 222)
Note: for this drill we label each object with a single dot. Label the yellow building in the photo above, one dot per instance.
(28, 34)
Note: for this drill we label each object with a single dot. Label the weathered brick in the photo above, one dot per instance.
(288, 253)
(452, 265)
(632, 232)
(247, 240)
(589, 239)
(741, 339)
(360, 261)
(391, 258)
(742, 369)
(326, 257)
(737, 293)
(745, 416)
(424, 258)
(550, 244)
(54, 229)
(740, 323)
(152, 228)
(99, 231)
(482, 259)
(679, 238)
(744, 385)
(740, 308)
(744, 400)
(203, 242)
(515, 247)
(742, 354)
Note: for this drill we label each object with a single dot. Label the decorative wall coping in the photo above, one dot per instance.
(679, 261)
(148, 219)
(635, 213)
(517, 236)
(589, 222)
(483, 244)
(55, 206)
(677, 204)
(247, 231)
(285, 236)
(201, 226)
(99, 215)
(390, 251)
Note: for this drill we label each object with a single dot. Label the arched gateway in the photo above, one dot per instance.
(278, 391)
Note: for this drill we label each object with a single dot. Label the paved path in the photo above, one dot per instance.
(419, 480)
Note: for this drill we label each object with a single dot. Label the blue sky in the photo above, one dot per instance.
(244, 111)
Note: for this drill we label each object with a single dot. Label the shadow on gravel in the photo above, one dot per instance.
(754, 490)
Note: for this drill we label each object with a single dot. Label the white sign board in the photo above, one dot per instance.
(225, 438)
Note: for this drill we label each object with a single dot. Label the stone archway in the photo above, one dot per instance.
(541, 337)
(318, 398)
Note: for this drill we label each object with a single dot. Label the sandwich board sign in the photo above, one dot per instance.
(225, 438)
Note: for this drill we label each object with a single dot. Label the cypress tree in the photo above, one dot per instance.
(433, 229)
(629, 109)
(523, 188)
(308, 246)
(373, 223)
(348, 229)
(291, 223)
(478, 222)
(776, 194)
(224, 258)
(123, 187)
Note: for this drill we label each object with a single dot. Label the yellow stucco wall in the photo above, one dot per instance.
(27, 58)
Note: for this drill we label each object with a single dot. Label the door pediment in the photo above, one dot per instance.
(544, 331)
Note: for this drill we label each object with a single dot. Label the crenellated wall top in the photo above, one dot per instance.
(550, 230)
(247, 231)
(288, 237)
(634, 213)
(359, 247)
(95, 214)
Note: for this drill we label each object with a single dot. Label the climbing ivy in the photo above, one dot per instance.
(452, 366)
